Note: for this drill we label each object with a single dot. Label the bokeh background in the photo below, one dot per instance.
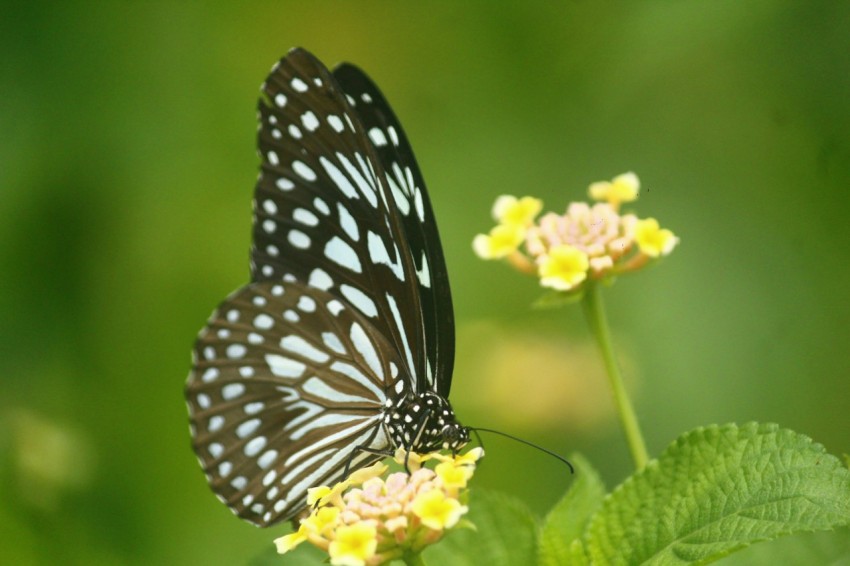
(127, 165)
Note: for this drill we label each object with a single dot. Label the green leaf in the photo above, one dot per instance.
(559, 544)
(803, 549)
(505, 534)
(716, 490)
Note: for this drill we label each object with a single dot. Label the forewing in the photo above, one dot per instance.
(324, 213)
(413, 209)
(287, 382)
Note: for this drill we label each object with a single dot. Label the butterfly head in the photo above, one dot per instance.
(425, 423)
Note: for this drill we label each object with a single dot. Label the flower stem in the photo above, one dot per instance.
(413, 559)
(594, 312)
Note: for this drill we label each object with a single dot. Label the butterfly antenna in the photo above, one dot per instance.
(476, 430)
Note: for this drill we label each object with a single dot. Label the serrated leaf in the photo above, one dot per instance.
(566, 522)
(719, 489)
(505, 534)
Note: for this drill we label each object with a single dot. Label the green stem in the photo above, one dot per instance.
(594, 312)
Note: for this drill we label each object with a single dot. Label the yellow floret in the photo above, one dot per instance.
(353, 545)
(623, 188)
(563, 268)
(652, 239)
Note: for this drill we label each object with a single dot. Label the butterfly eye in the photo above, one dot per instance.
(302, 374)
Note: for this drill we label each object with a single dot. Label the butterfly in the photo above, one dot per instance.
(340, 349)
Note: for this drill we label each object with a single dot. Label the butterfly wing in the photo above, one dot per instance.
(288, 382)
(416, 216)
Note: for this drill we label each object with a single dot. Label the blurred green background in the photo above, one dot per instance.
(127, 165)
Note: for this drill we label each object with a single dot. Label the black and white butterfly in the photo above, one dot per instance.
(341, 348)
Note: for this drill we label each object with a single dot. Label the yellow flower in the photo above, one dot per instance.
(652, 240)
(290, 541)
(453, 476)
(563, 267)
(315, 494)
(623, 188)
(436, 511)
(509, 210)
(322, 520)
(503, 240)
(354, 544)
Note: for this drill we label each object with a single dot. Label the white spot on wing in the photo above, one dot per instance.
(267, 459)
(319, 388)
(411, 369)
(235, 351)
(232, 391)
(320, 279)
(378, 254)
(248, 428)
(306, 304)
(254, 446)
(365, 188)
(364, 346)
(263, 321)
(424, 273)
(338, 251)
(336, 123)
(299, 239)
(335, 307)
(360, 300)
(349, 225)
(420, 207)
(333, 342)
(305, 217)
(297, 345)
(321, 206)
(309, 120)
(298, 85)
(285, 367)
(340, 180)
(210, 374)
(377, 136)
(399, 197)
(303, 170)
(393, 135)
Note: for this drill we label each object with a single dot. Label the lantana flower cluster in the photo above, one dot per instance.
(587, 242)
(367, 520)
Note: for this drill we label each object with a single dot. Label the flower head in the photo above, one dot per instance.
(585, 243)
(368, 519)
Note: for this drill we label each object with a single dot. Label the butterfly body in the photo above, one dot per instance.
(340, 349)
